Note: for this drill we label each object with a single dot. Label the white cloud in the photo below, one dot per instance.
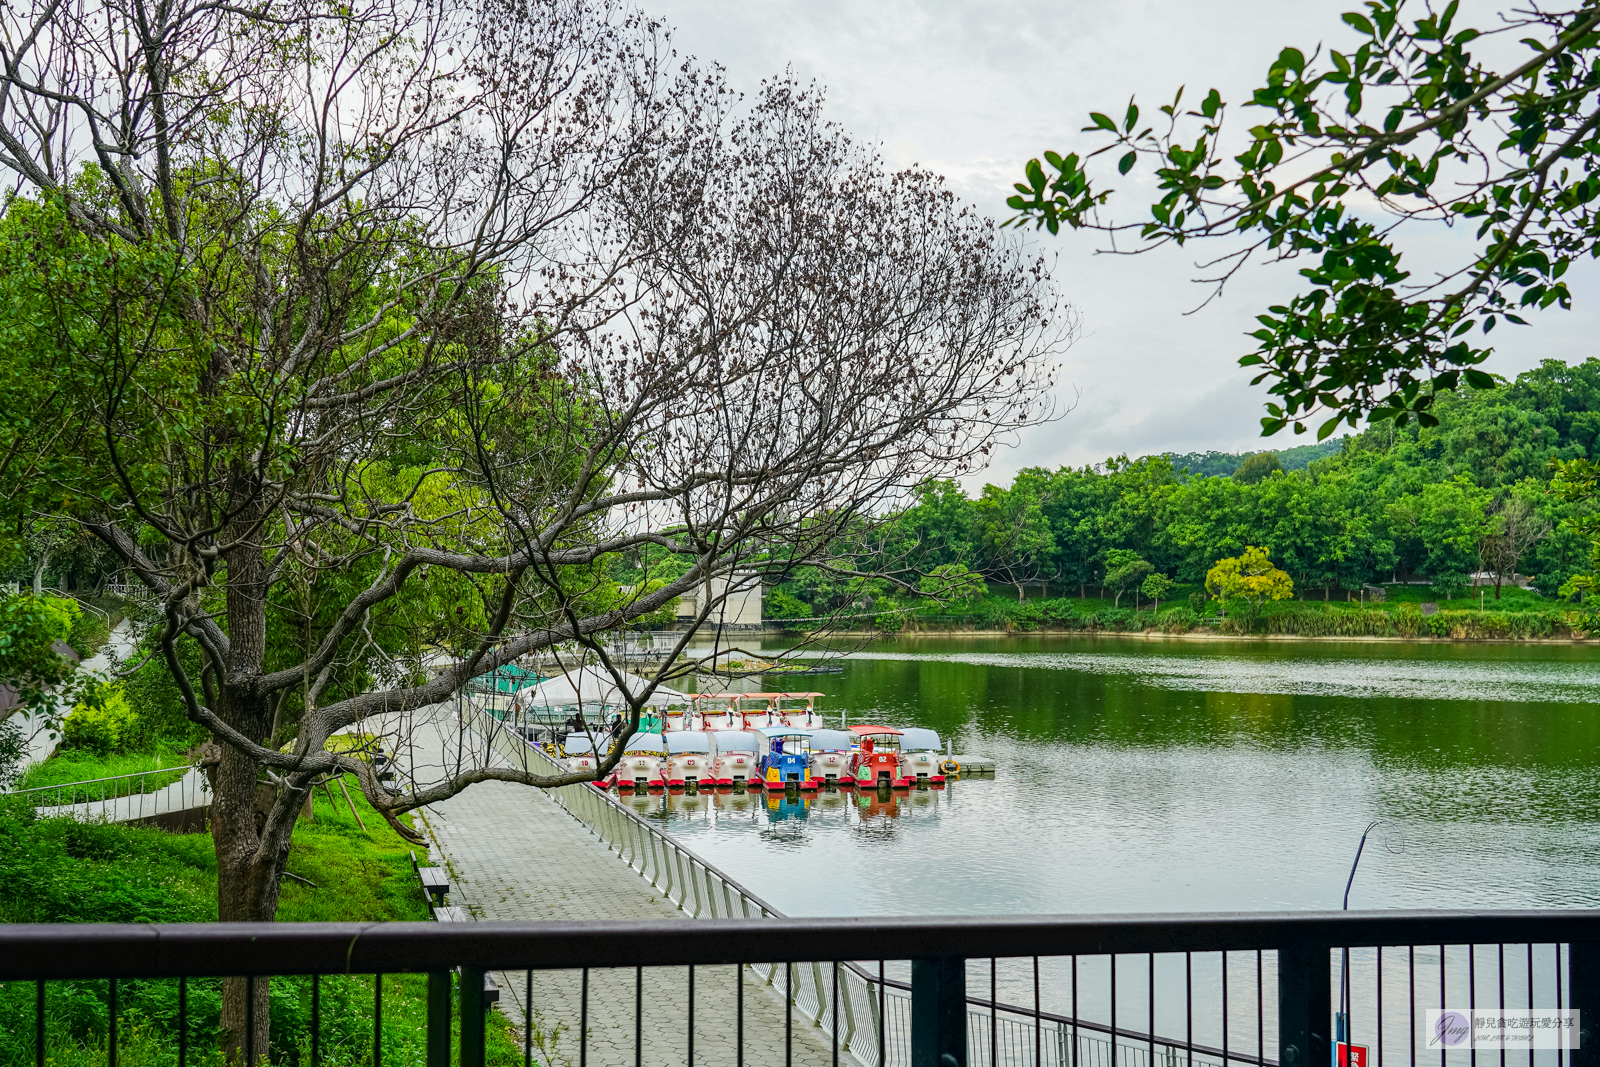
(974, 88)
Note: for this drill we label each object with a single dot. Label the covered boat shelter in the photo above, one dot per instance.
(593, 695)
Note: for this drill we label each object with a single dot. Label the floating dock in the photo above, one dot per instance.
(973, 765)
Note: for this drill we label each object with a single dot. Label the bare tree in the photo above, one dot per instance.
(1514, 528)
(416, 320)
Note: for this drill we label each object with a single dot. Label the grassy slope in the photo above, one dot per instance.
(59, 871)
(76, 765)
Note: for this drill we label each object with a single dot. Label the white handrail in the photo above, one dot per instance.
(111, 804)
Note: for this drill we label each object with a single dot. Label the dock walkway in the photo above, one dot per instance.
(516, 855)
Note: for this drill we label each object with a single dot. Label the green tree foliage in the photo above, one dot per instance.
(1125, 568)
(30, 662)
(1250, 578)
(1015, 534)
(781, 604)
(100, 723)
(1222, 464)
(1450, 584)
(953, 586)
(1577, 483)
(941, 524)
(1443, 525)
(1434, 504)
(1257, 467)
(1155, 587)
(1409, 117)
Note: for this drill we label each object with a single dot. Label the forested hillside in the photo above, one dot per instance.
(1390, 504)
(1226, 464)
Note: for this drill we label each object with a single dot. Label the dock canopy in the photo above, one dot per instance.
(687, 741)
(593, 688)
(735, 741)
(916, 739)
(576, 743)
(873, 731)
(651, 743)
(831, 741)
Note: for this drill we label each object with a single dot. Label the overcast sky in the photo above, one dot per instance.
(973, 88)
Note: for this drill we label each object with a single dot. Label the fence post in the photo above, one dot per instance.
(1583, 973)
(472, 1009)
(1304, 1008)
(438, 1019)
(939, 1012)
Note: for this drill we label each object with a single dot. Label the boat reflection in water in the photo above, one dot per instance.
(866, 809)
(792, 804)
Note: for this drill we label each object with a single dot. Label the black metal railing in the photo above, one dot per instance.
(1099, 991)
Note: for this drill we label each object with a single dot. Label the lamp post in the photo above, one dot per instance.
(1341, 1024)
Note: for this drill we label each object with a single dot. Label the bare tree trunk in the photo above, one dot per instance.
(249, 869)
(1497, 578)
(38, 574)
(1021, 597)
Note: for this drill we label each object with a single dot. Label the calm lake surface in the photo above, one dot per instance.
(1139, 775)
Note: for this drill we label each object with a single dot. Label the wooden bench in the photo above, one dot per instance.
(435, 880)
(491, 988)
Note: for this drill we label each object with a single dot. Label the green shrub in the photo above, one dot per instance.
(991, 611)
(1500, 625)
(147, 1014)
(13, 747)
(1305, 620)
(1177, 620)
(89, 634)
(781, 604)
(61, 870)
(58, 870)
(1115, 619)
(1410, 622)
(162, 718)
(102, 723)
(1449, 584)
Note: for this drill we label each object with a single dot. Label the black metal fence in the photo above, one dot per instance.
(1100, 991)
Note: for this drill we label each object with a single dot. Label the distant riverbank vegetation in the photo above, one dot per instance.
(1396, 531)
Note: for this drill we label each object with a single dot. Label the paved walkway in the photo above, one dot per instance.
(42, 742)
(516, 855)
(189, 791)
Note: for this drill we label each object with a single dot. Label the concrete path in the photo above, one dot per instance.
(517, 856)
(187, 792)
(41, 742)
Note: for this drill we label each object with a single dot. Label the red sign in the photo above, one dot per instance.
(1351, 1055)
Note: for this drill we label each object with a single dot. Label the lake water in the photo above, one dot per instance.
(1139, 775)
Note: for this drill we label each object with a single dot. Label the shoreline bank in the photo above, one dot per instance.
(1157, 635)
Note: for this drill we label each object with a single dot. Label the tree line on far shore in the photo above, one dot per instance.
(1421, 504)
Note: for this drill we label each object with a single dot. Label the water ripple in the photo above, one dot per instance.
(1518, 681)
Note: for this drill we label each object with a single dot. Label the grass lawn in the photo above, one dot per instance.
(1511, 598)
(56, 870)
(78, 765)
